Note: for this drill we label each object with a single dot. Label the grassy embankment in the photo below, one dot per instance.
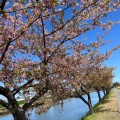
(106, 110)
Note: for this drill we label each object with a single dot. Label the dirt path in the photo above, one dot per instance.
(117, 93)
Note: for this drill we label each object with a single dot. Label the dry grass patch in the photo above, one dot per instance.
(107, 110)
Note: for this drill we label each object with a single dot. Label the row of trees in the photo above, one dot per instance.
(84, 72)
(39, 53)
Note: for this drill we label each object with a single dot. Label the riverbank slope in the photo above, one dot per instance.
(107, 110)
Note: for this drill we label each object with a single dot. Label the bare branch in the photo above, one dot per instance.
(32, 100)
(15, 91)
(3, 55)
(2, 5)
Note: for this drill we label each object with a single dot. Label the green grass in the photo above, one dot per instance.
(21, 102)
(1, 107)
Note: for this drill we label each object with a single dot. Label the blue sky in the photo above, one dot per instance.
(114, 35)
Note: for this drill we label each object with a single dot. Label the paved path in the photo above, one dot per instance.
(117, 93)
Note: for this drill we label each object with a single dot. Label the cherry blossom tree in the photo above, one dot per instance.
(33, 42)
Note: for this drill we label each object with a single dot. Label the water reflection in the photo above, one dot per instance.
(73, 109)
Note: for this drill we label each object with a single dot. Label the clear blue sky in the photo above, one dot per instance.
(114, 35)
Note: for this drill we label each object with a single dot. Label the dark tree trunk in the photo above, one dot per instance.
(98, 92)
(12, 105)
(19, 114)
(90, 104)
(90, 108)
(107, 90)
(103, 91)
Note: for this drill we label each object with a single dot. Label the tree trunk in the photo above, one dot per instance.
(90, 104)
(90, 108)
(19, 114)
(107, 90)
(98, 92)
(103, 91)
(13, 106)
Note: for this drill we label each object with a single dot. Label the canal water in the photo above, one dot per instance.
(73, 109)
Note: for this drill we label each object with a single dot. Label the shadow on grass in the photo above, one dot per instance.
(100, 109)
